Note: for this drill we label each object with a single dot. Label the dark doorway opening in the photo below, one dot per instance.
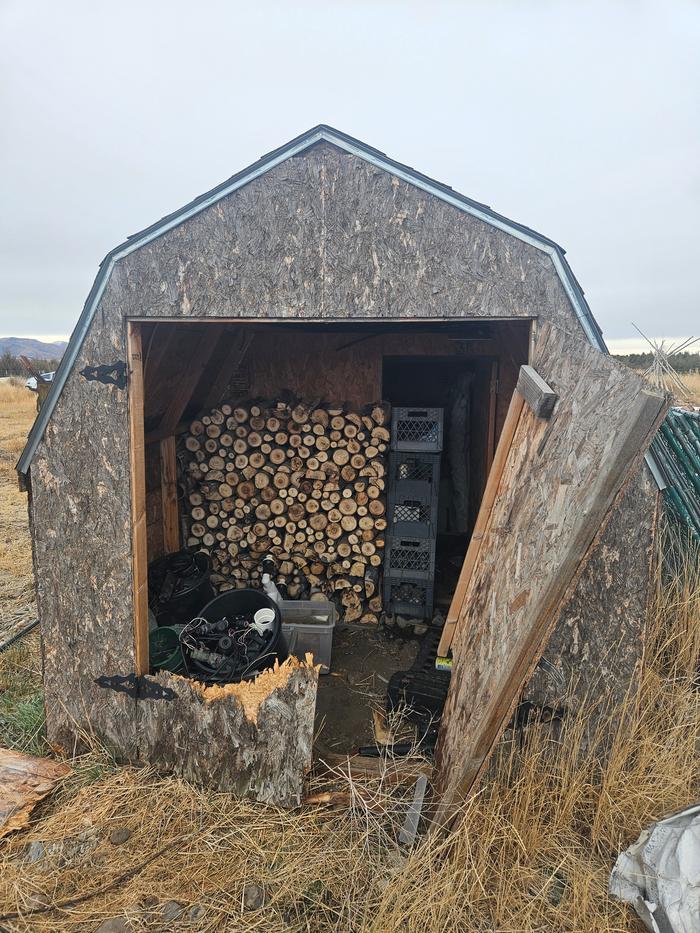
(466, 391)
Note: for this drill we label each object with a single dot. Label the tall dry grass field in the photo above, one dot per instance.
(17, 413)
(692, 381)
(532, 853)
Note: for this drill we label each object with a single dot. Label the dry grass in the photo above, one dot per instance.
(532, 854)
(692, 382)
(17, 412)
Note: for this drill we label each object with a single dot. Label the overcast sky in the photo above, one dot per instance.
(580, 120)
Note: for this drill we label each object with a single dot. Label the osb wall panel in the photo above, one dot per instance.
(81, 531)
(597, 646)
(328, 235)
(312, 365)
(208, 737)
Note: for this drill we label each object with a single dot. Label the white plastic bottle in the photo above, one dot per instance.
(270, 589)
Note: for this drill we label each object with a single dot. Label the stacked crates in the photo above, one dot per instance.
(414, 484)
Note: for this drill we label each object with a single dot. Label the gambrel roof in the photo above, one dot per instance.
(295, 147)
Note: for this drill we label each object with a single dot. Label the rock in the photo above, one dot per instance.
(420, 629)
(253, 897)
(396, 860)
(37, 901)
(404, 622)
(35, 851)
(114, 925)
(196, 912)
(171, 910)
(119, 835)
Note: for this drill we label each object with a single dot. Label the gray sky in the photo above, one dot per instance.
(580, 120)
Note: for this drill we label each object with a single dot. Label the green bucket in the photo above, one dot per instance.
(164, 652)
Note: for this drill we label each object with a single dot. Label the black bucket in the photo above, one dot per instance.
(234, 603)
(179, 585)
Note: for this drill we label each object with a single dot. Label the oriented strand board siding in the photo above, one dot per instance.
(560, 479)
(81, 530)
(213, 741)
(328, 235)
(597, 645)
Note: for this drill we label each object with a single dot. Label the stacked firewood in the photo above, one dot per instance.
(302, 482)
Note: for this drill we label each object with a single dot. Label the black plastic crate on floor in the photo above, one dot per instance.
(414, 480)
(416, 429)
(406, 597)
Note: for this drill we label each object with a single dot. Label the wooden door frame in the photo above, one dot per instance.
(137, 461)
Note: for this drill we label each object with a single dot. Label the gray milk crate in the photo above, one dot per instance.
(410, 557)
(414, 481)
(308, 625)
(416, 429)
(409, 597)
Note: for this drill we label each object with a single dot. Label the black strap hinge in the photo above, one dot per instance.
(108, 373)
(138, 688)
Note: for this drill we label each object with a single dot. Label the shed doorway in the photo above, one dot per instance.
(193, 372)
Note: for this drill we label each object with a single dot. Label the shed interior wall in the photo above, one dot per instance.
(335, 362)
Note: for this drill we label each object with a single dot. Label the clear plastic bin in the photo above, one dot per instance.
(308, 626)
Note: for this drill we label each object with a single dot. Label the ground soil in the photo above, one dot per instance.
(362, 663)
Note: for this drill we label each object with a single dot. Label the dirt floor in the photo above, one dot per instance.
(361, 666)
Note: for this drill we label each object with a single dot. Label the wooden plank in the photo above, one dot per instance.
(558, 485)
(24, 781)
(491, 431)
(200, 357)
(487, 501)
(536, 392)
(168, 489)
(139, 555)
(233, 361)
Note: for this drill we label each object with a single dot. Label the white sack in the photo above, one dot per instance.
(659, 875)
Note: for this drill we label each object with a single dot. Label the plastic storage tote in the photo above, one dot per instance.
(308, 626)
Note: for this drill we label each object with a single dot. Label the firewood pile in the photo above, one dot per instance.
(303, 482)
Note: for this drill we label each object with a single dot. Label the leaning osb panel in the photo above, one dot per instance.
(253, 739)
(560, 479)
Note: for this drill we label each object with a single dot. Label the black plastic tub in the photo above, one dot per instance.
(235, 603)
(179, 586)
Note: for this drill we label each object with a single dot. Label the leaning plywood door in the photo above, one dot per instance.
(558, 477)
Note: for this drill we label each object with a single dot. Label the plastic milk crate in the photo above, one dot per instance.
(414, 480)
(308, 625)
(407, 597)
(416, 429)
(410, 557)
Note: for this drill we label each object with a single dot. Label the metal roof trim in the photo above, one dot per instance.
(301, 143)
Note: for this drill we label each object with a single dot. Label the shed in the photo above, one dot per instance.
(328, 274)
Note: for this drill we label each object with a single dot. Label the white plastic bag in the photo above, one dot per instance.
(659, 875)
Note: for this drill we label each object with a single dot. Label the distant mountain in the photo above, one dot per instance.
(31, 348)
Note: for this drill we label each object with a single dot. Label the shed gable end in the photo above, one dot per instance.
(415, 261)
